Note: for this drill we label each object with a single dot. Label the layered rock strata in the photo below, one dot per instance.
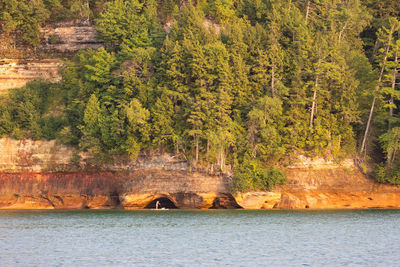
(61, 39)
(129, 190)
(324, 186)
(45, 175)
(69, 37)
(41, 174)
(15, 73)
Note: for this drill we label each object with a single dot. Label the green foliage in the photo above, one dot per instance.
(75, 158)
(53, 39)
(66, 137)
(6, 123)
(162, 124)
(129, 23)
(220, 10)
(50, 126)
(264, 126)
(240, 83)
(384, 175)
(91, 116)
(251, 176)
(391, 144)
(23, 16)
(25, 114)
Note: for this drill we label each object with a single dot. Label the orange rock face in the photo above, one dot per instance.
(258, 200)
(339, 200)
(129, 190)
(330, 187)
(29, 180)
(336, 188)
(306, 189)
(39, 174)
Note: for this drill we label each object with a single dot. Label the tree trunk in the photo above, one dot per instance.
(197, 149)
(393, 86)
(307, 11)
(221, 153)
(273, 80)
(314, 100)
(88, 11)
(364, 141)
(368, 122)
(393, 156)
(342, 31)
(375, 50)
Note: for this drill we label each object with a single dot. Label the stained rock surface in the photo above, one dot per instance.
(324, 186)
(42, 175)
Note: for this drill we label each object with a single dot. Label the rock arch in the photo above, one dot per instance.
(164, 202)
(225, 201)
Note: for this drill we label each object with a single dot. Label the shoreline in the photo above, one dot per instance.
(307, 189)
(40, 175)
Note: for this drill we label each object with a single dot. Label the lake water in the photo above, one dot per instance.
(200, 238)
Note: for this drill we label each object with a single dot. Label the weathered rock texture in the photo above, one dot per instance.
(37, 174)
(22, 64)
(28, 156)
(69, 37)
(324, 185)
(15, 73)
(40, 175)
(131, 190)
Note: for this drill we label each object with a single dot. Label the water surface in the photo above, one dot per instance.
(200, 238)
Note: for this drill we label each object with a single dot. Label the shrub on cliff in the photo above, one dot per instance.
(387, 175)
(252, 176)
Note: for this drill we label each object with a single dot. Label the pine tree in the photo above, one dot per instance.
(124, 23)
(162, 123)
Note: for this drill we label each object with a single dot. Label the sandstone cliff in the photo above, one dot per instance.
(69, 37)
(18, 65)
(334, 187)
(15, 73)
(42, 174)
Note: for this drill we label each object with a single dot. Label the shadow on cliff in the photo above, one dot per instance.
(225, 201)
(163, 202)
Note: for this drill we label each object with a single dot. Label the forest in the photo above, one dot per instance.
(229, 85)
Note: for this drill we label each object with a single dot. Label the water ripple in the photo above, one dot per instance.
(199, 238)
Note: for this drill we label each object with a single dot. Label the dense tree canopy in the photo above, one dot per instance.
(229, 85)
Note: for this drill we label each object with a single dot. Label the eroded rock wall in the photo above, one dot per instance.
(41, 174)
(26, 155)
(15, 73)
(18, 65)
(129, 189)
(70, 37)
(324, 185)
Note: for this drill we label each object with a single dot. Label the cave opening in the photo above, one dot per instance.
(163, 202)
(114, 199)
(225, 201)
